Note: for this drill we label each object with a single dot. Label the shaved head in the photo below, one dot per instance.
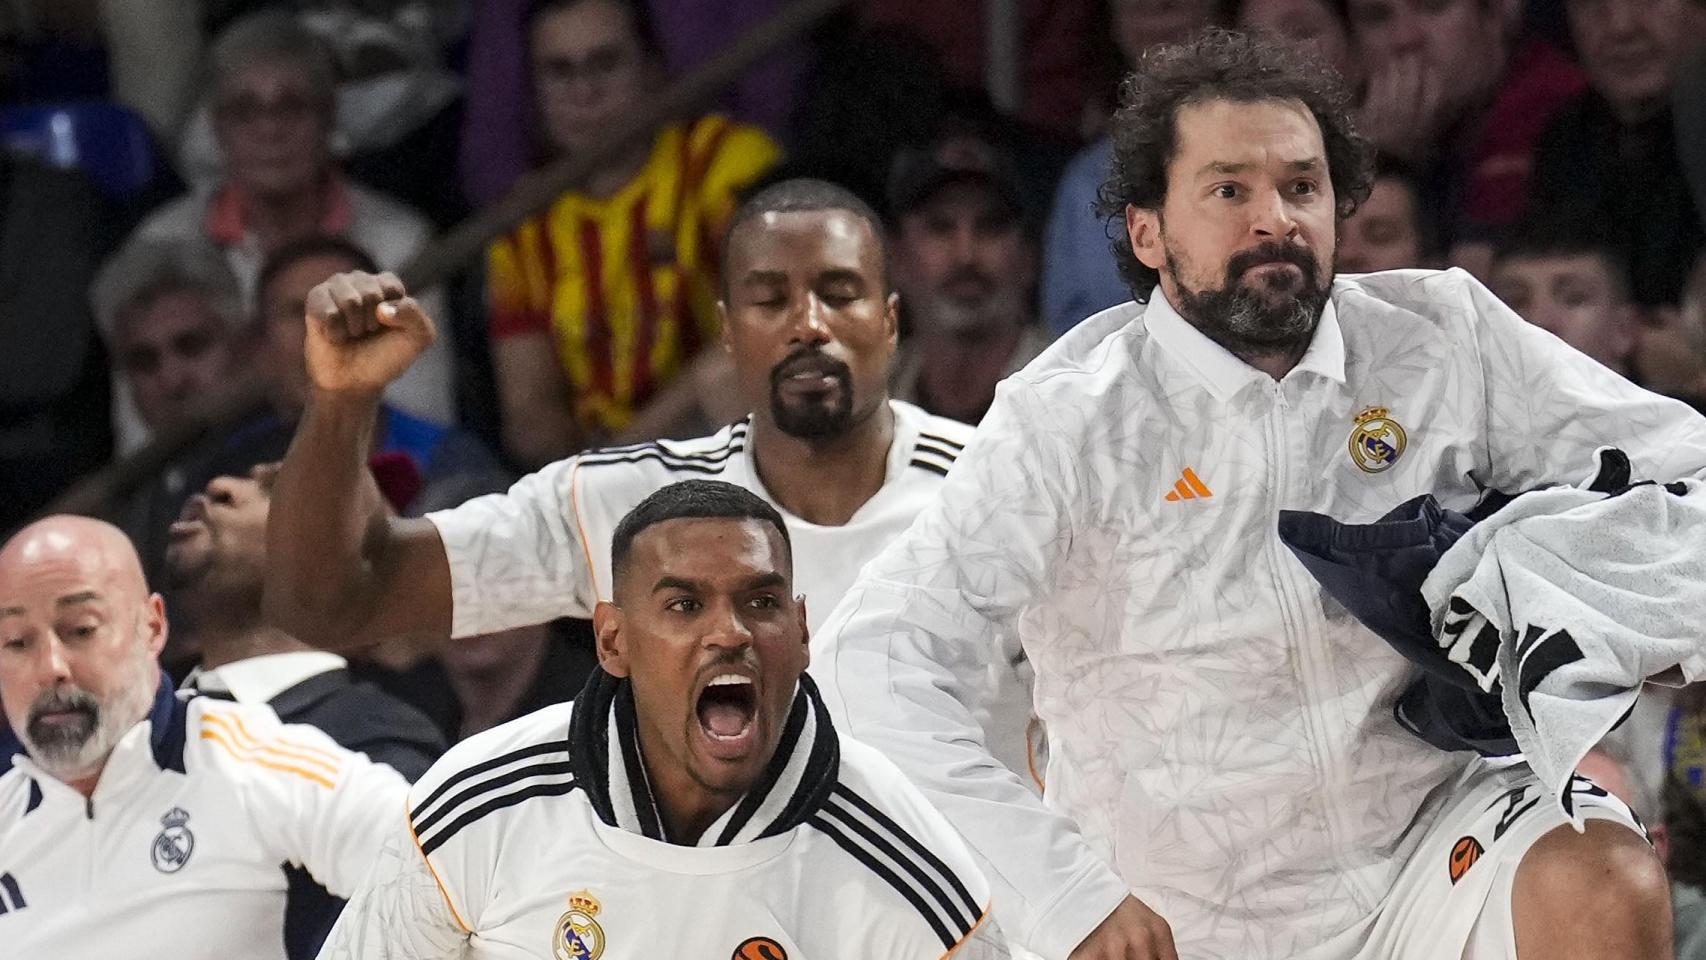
(99, 548)
(79, 634)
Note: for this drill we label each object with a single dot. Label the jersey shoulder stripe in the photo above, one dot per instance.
(705, 455)
(930, 465)
(502, 767)
(898, 858)
(911, 841)
(938, 443)
(868, 858)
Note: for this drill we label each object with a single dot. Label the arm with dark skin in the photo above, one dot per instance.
(341, 571)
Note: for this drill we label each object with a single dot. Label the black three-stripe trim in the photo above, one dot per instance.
(870, 810)
(494, 804)
(943, 452)
(944, 441)
(538, 749)
(924, 867)
(710, 467)
(496, 783)
(877, 867)
(935, 468)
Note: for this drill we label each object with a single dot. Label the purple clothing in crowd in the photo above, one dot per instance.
(495, 145)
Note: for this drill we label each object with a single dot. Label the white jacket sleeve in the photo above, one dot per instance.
(311, 802)
(517, 558)
(904, 661)
(1550, 407)
(399, 912)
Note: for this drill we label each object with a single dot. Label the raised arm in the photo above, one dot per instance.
(341, 572)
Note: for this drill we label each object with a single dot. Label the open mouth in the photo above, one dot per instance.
(192, 520)
(728, 710)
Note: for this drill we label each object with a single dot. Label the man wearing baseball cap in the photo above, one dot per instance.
(966, 267)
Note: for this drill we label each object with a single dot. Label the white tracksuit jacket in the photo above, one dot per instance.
(1221, 735)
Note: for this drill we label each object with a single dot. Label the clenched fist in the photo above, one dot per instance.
(363, 331)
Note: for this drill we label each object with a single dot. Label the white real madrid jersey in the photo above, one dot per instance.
(542, 550)
(541, 839)
(1221, 733)
(180, 851)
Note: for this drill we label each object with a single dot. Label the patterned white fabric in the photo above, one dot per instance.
(1221, 733)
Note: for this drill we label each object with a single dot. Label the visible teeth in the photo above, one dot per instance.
(728, 679)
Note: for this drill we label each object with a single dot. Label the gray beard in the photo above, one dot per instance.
(75, 754)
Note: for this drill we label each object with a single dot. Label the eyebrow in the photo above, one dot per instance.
(72, 599)
(760, 582)
(1223, 167)
(754, 278)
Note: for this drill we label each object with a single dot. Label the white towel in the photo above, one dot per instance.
(1590, 596)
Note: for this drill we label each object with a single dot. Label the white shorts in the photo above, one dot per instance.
(1452, 900)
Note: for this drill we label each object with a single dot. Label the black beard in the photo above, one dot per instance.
(817, 421)
(1248, 323)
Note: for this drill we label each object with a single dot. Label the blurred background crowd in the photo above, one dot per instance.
(178, 174)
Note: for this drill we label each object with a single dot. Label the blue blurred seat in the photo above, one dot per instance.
(108, 142)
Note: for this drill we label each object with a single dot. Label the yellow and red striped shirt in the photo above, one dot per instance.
(628, 285)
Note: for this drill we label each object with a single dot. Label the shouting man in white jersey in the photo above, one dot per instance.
(810, 321)
(694, 801)
(1226, 775)
(137, 822)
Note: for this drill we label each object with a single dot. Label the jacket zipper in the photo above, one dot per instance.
(1305, 641)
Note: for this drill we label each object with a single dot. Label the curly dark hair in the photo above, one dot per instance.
(1218, 65)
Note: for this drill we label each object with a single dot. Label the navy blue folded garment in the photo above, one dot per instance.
(1375, 571)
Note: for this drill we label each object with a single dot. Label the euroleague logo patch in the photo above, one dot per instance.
(759, 948)
(1464, 853)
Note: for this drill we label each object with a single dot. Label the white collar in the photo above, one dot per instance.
(259, 679)
(1224, 374)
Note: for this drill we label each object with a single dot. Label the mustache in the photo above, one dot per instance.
(809, 357)
(968, 274)
(64, 699)
(1274, 251)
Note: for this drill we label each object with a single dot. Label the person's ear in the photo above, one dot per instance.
(805, 632)
(891, 319)
(607, 623)
(1143, 229)
(154, 624)
(723, 319)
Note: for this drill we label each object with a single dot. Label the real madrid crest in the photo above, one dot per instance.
(1377, 441)
(578, 935)
(174, 844)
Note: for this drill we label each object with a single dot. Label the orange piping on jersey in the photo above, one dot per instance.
(263, 762)
(242, 739)
(443, 890)
(969, 933)
(580, 528)
(1031, 753)
(324, 755)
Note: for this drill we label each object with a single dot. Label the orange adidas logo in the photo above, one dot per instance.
(1189, 487)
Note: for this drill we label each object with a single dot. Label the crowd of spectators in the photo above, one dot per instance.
(1556, 149)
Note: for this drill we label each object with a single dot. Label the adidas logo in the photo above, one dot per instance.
(1189, 487)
